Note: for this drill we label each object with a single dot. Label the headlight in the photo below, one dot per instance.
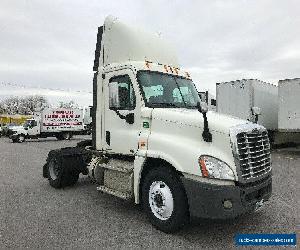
(214, 168)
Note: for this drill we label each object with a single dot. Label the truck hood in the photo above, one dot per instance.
(18, 129)
(176, 137)
(191, 117)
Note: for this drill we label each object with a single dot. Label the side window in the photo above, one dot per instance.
(125, 95)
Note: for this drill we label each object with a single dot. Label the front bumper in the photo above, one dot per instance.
(207, 200)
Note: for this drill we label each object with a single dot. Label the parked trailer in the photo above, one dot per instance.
(289, 110)
(154, 143)
(238, 98)
(279, 106)
(289, 105)
(61, 123)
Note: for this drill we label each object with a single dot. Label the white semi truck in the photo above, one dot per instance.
(155, 144)
(61, 123)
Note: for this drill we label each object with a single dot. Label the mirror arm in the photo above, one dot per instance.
(123, 117)
(127, 118)
(206, 135)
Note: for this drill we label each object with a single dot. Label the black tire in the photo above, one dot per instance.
(180, 214)
(14, 140)
(67, 136)
(58, 174)
(21, 138)
(59, 137)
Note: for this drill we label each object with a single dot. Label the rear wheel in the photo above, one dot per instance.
(58, 175)
(164, 200)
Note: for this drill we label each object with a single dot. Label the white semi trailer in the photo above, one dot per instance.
(289, 105)
(275, 108)
(61, 123)
(154, 143)
(241, 98)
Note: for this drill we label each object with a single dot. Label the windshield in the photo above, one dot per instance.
(163, 90)
(29, 123)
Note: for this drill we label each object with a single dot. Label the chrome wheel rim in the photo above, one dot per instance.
(21, 138)
(53, 170)
(161, 200)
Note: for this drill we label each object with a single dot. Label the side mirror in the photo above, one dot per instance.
(114, 102)
(256, 110)
(129, 118)
(202, 107)
(26, 128)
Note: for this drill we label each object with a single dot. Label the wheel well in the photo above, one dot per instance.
(152, 163)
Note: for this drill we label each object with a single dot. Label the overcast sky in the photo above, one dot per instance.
(51, 43)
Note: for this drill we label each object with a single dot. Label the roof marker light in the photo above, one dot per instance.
(166, 68)
(147, 64)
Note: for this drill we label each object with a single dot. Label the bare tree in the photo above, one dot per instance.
(23, 105)
(70, 104)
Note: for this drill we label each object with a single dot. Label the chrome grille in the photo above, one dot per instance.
(253, 153)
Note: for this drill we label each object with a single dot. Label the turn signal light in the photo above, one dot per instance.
(203, 167)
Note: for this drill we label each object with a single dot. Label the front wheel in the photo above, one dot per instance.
(164, 200)
(67, 136)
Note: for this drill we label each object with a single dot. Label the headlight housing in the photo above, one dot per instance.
(214, 168)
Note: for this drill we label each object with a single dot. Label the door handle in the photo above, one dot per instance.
(107, 137)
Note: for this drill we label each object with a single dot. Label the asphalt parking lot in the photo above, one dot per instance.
(35, 215)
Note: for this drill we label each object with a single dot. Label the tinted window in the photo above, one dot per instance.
(163, 90)
(125, 92)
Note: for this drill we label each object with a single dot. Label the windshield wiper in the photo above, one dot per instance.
(164, 104)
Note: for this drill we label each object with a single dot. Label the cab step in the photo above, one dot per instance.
(119, 194)
(119, 165)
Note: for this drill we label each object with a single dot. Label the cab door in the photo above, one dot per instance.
(121, 121)
(34, 128)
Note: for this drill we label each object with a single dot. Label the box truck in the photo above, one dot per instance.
(154, 143)
(61, 123)
(87, 119)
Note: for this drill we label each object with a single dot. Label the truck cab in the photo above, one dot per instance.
(29, 129)
(153, 141)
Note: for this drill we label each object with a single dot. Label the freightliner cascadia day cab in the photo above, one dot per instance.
(153, 142)
(61, 123)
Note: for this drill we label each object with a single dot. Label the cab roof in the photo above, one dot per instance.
(123, 43)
